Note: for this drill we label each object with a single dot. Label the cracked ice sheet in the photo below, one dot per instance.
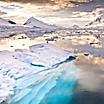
(45, 55)
(24, 68)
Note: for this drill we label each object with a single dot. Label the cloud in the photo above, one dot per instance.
(50, 14)
(49, 1)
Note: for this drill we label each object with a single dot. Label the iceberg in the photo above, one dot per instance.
(43, 74)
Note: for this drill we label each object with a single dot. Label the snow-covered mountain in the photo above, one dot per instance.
(32, 28)
(6, 22)
(9, 28)
(38, 24)
(98, 23)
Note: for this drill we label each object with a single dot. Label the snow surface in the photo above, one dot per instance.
(22, 69)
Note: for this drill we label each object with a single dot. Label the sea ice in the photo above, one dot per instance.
(27, 76)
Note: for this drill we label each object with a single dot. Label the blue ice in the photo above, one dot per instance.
(47, 87)
(46, 79)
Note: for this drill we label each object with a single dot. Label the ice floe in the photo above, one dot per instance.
(31, 74)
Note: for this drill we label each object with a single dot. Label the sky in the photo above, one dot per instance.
(59, 12)
(45, 1)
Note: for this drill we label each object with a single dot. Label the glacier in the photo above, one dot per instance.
(42, 74)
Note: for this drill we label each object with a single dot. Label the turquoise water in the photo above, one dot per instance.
(54, 87)
(62, 93)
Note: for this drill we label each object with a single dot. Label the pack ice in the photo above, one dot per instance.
(28, 76)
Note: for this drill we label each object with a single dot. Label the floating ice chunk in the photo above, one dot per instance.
(49, 55)
(31, 73)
